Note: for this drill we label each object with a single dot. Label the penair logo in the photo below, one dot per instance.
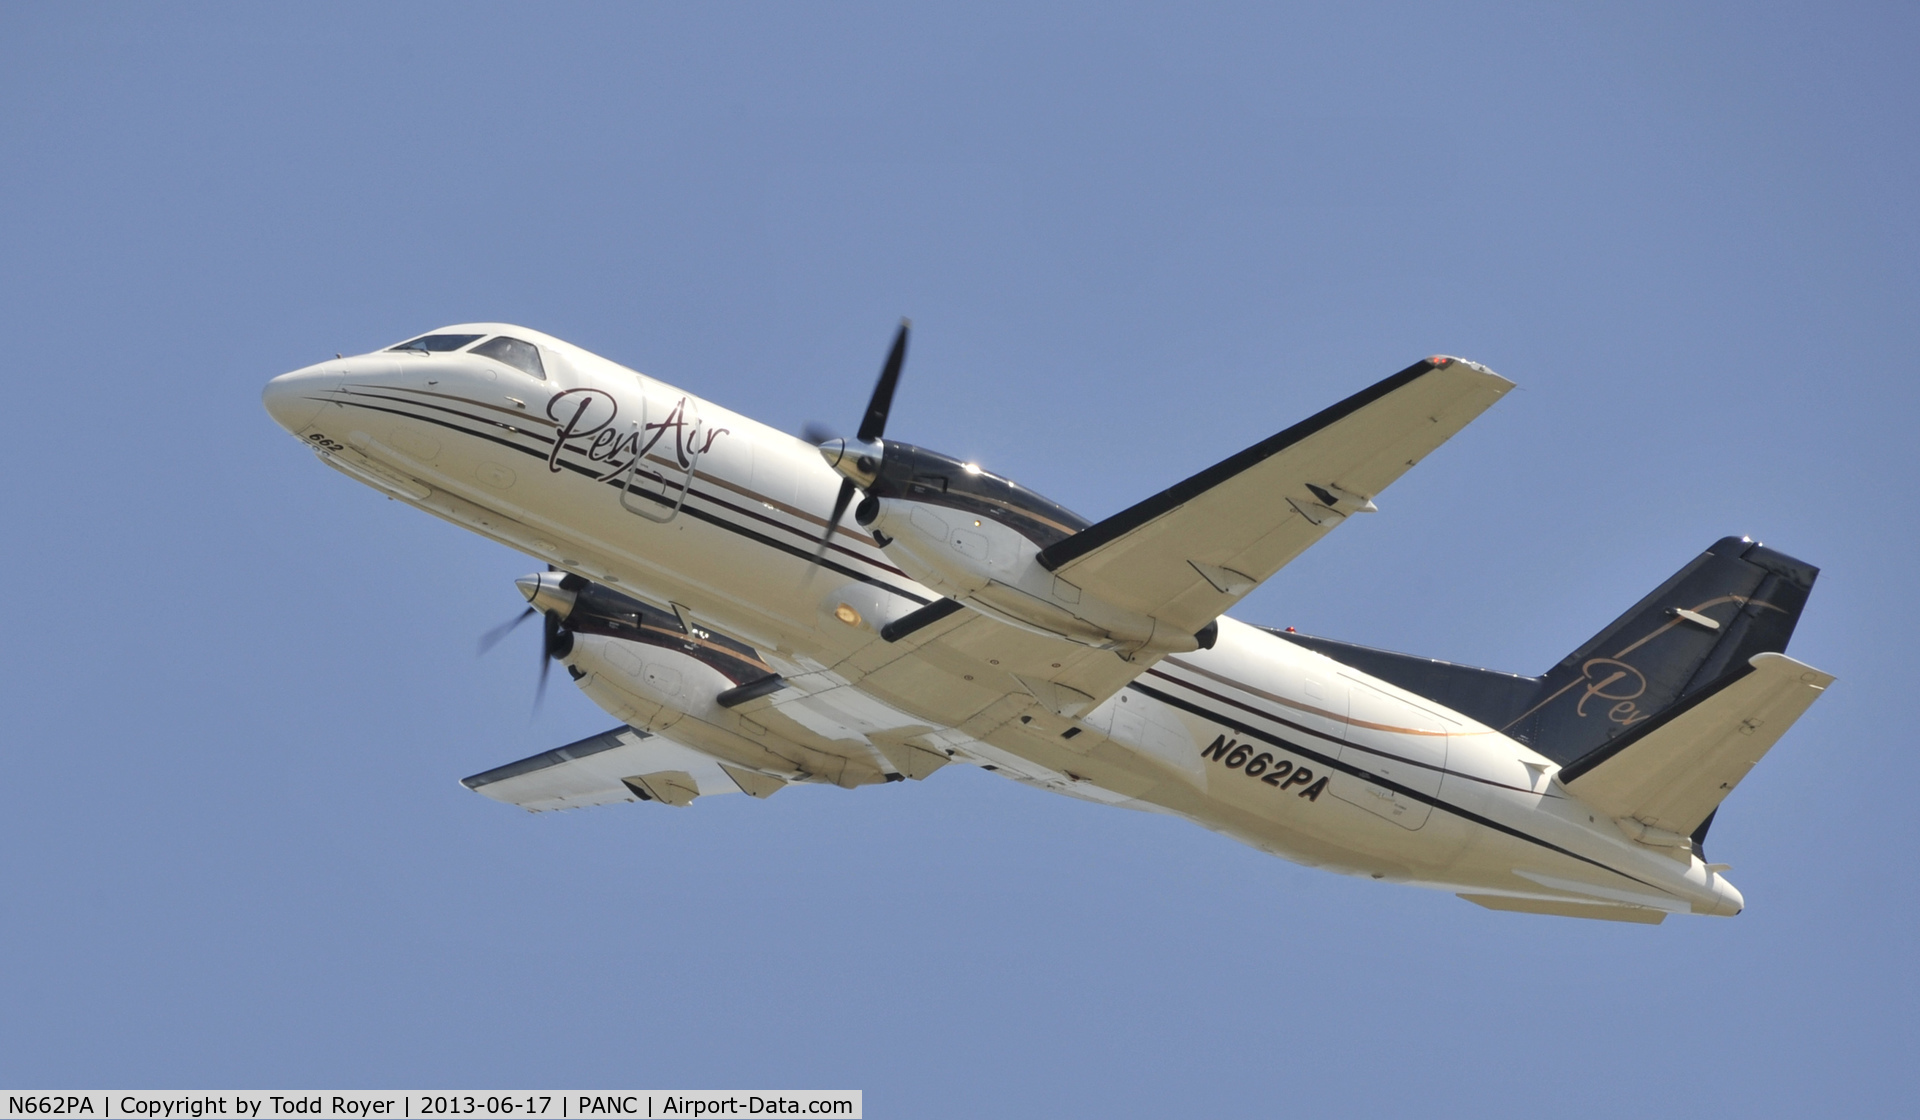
(1616, 689)
(1616, 681)
(589, 414)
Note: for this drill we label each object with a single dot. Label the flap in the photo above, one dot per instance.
(753, 783)
(669, 787)
(910, 759)
(1684, 762)
(1191, 551)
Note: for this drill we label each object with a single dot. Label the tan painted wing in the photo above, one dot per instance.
(1187, 554)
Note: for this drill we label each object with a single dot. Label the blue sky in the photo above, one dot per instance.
(241, 689)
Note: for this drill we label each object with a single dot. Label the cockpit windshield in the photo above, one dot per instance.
(437, 343)
(928, 476)
(523, 356)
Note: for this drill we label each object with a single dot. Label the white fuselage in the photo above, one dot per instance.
(1255, 737)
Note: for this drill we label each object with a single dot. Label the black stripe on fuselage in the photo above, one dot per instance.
(698, 514)
(1414, 762)
(1241, 727)
(804, 534)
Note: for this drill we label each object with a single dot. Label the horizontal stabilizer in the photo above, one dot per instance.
(1663, 779)
(612, 766)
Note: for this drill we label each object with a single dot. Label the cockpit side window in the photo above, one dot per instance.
(523, 356)
(437, 343)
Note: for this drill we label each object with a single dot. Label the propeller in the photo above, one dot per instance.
(552, 598)
(494, 636)
(873, 425)
(817, 433)
(551, 637)
(840, 503)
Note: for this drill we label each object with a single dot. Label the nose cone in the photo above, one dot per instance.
(294, 400)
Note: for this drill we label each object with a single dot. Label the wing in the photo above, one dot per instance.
(1187, 554)
(624, 764)
(1183, 556)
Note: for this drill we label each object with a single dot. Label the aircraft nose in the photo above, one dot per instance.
(294, 400)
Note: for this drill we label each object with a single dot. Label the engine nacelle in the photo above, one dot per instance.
(643, 685)
(988, 564)
(661, 674)
(975, 536)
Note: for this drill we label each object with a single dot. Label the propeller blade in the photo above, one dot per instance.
(874, 424)
(493, 637)
(817, 433)
(549, 649)
(840, 503)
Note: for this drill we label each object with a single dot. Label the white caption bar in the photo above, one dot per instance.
(367, 1104)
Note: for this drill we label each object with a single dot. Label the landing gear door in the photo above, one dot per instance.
(1403, 744)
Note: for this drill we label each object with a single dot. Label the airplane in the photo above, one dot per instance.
(705, 587)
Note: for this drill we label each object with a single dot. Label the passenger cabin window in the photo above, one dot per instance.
(523, 356)
(437, 343)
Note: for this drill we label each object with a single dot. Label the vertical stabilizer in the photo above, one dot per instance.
(1693, 634)
(1737, 599)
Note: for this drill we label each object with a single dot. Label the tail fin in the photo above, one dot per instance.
(1700, 628)
(1695, 633)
